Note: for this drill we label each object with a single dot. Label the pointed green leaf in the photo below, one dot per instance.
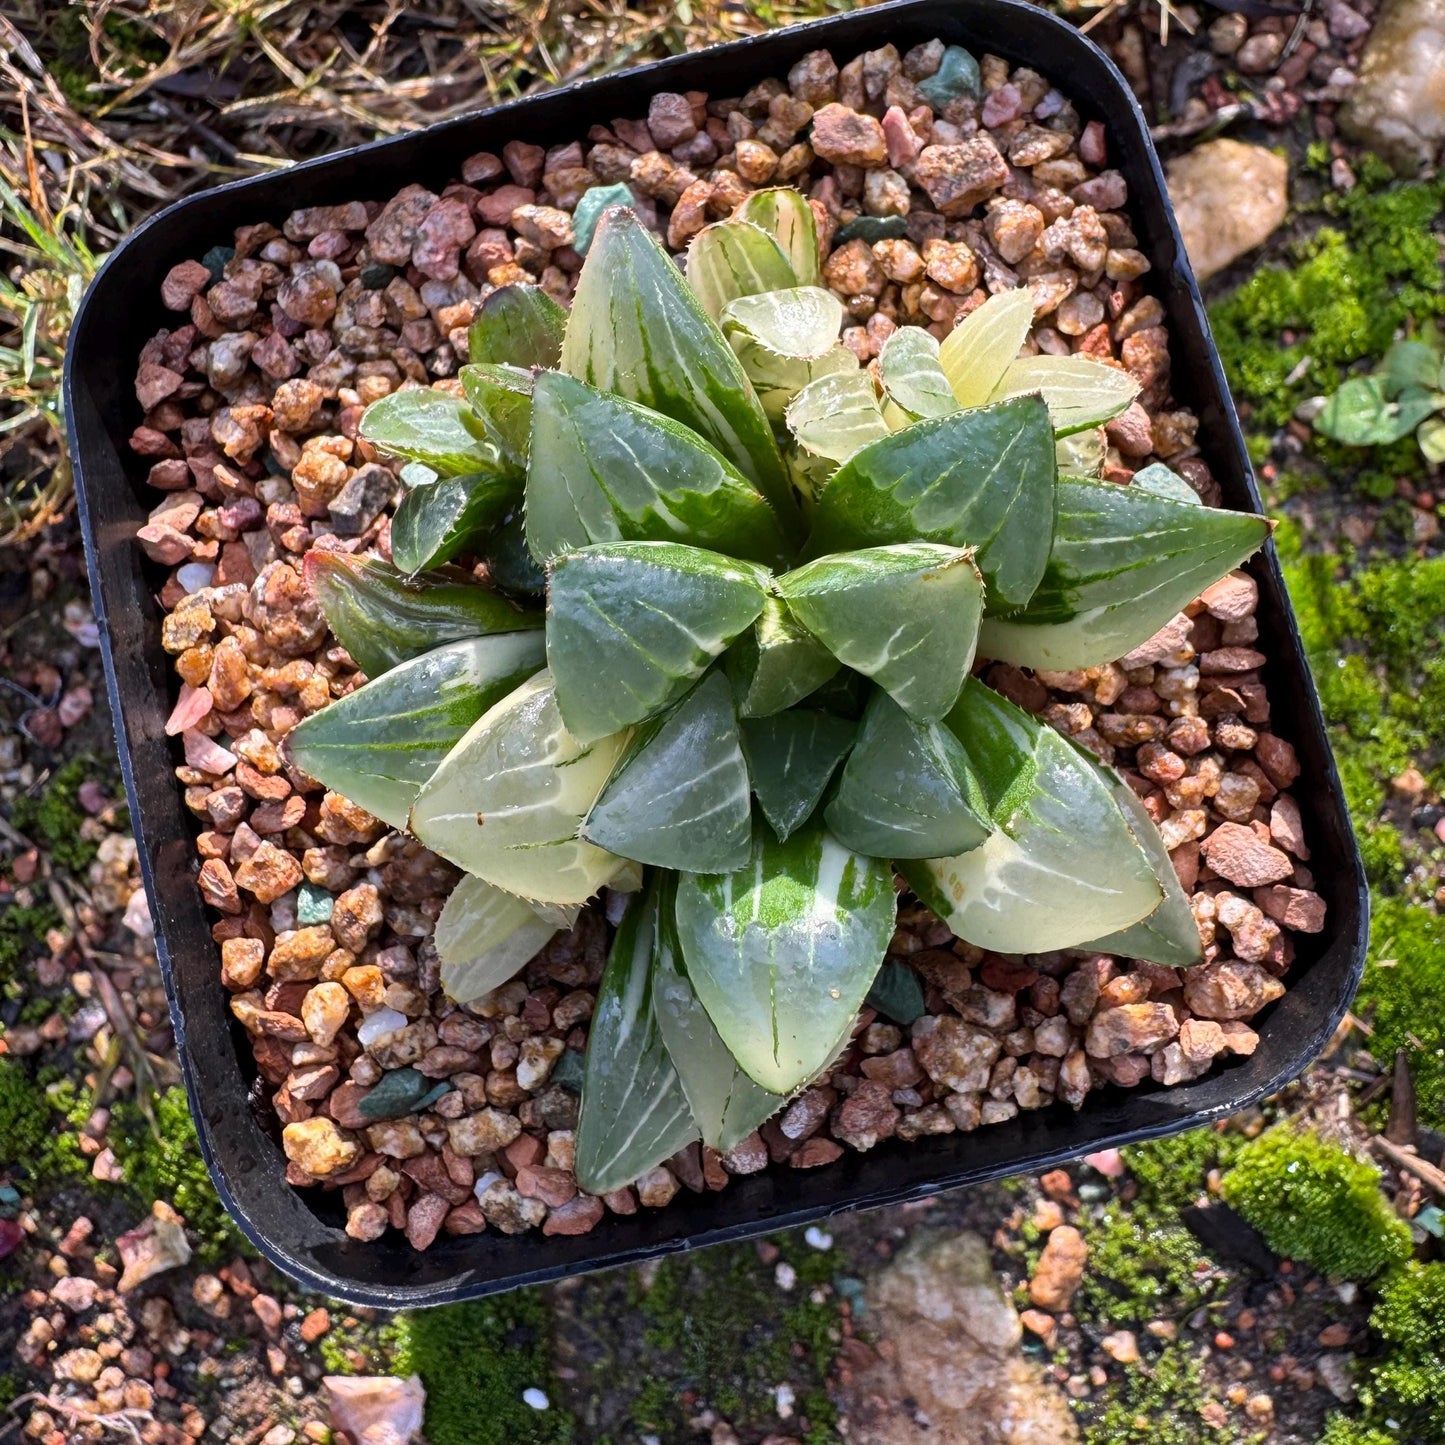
(485, 937)
(1169, 935)
(681, 799)
(507, 802)
(777, 663)
(1079, 393)
(912, 376)
(378, 745)
(897, 993)
(735, 258)
(800, 321)
(1124, 561)
(607, 470)
(906, 616)
(435, 523)
(501, 397)
(907, 790)
(517, 326)
(1062, 865)
(631, 625)
(509, 563)
(636, 329)
(835, 416)
(782, 952)
(725, 1103)
(977, 352)
(784, 213)
(382, 617)
(982, 478)
(791, 757)
(432, 427)
(634, 1111)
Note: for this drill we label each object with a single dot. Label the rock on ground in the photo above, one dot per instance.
(1229, 198)
(376, 1409)
(956, 1362)
(1398, 105)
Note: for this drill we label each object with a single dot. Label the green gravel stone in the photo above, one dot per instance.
(215, 260)
(958, 75)
(376, 276)
(589, 209)
(313, 905)
(872, 228)
(401, 1091)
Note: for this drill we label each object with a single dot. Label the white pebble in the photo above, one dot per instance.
(785, 1398)
(483, 1184)
(374, 1026)
(817, 1238)
(785, 1275)
(195, 575)
(535, 1398)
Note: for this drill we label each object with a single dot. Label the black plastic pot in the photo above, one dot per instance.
(301, 1233)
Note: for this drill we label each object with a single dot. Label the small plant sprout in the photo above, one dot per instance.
(740, 585)
(1407, 394)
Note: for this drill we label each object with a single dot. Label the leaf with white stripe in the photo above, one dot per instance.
(783, 952)
(1124, 560)
(982, 478)
(907, 790)
(836, 416)
(1062, 866)
(791, 757)
(784, 213)
(1079, 393)
(634, 1111)
(680, 799)
(607, 470)
(735, 258)
(485, 937)
(726, 1105)
(907, 616)
(378, 745)
(432, 427)
(631, 625)
(787, 340)
(449, 516)
(501, 397)
(977, 352)
(636, 329)
(912, 375)
(777, 662)
(507, 802)
(517, 326)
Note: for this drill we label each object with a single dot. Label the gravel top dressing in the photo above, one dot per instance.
(936, 182)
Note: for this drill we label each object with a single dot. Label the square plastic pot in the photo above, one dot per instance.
(301, 1232)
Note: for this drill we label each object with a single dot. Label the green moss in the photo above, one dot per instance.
(1140, 1261)
(53, 819)
(476, 1359)
(1173, 1171)
(22, 935)
(1352, 285)
(355, 1346)
(1157, 1402)
(36, 1136)
(1316, 1203)
(1408, 1385)
(1342, 1429)
(170, 1167)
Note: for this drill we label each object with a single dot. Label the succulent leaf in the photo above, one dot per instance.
(517, 326)
(450, 516)
(735, 258)
(1079, 393)
(905, 615)
(1124, 561)
(634, 1111)
(501, 397)
(977, 352)
(783, 951)
(1083, 453)
(379, 744)
(631, 625)
(485, 937)
(913, 377)
(791, 757)
(777, 663)
(607, 470)
(636, 329)
(1062, 866)
(907, 789)
(432, 427)
(508, 800)
(680, 799)
(835, 416)
(801, 322)
(1169, 935)
(726, 1104)
(980, 478)
(509, 563)
(382, 617)
(787, 217)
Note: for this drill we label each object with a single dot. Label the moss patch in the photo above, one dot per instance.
(53, 819)
(1408, 1385)
(37, 1138)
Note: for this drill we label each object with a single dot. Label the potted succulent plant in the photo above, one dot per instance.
(687, 606)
